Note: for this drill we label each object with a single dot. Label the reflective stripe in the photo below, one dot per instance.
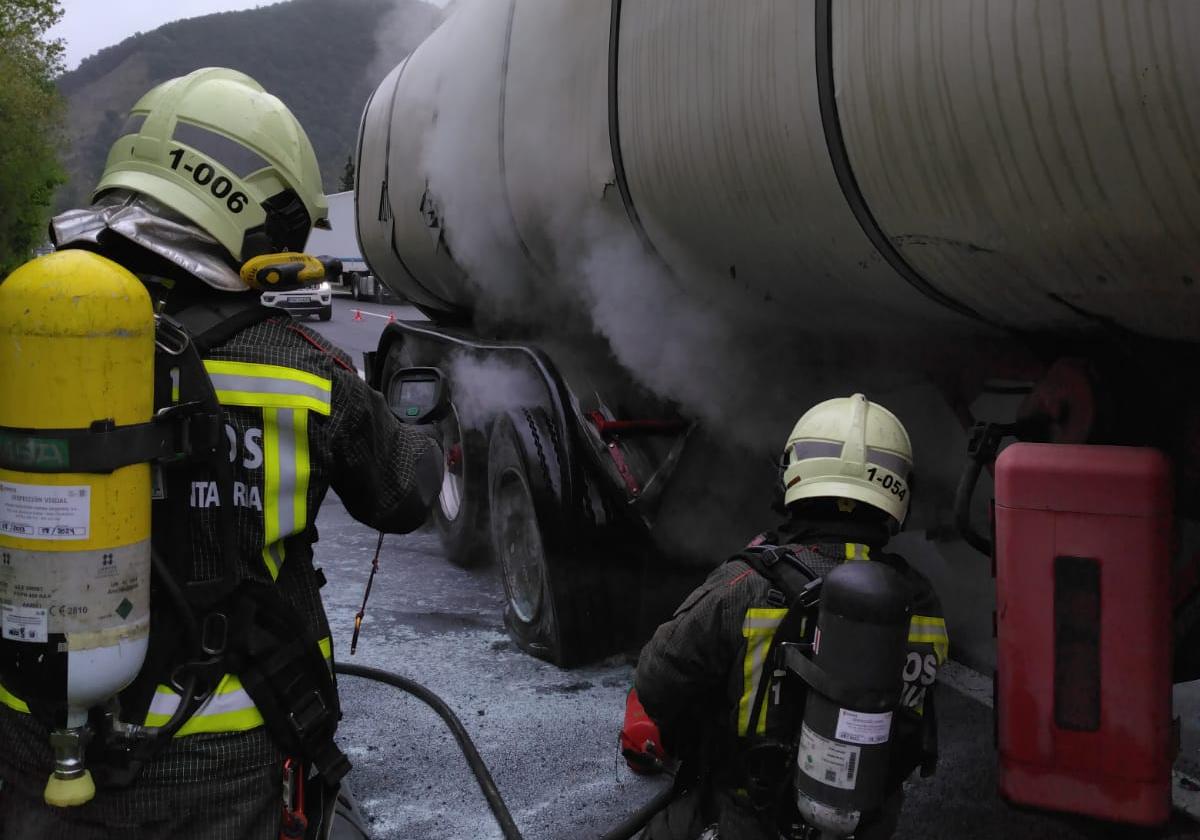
(133, 124)
(303, 471)
(759, 628)
(229, 709)
(804, 449)
(285, 471)
(286, 480)
(273, 555)
(268, 386)
(229, 153)
(889, 461)
(13, 701)
(285, 395)
(286, 476)
(858, 551)
(930, 630)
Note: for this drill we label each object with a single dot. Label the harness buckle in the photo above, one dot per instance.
(170, 336)
(214, 636)
(308, 712)
(197, 432)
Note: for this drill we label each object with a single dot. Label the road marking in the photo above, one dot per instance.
(970, 684)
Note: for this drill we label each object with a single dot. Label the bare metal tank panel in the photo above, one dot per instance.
(947, 163)
(727, 162)
(1034, 160)
(555, 153)
(442, 161)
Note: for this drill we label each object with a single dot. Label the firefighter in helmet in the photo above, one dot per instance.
(209, 172)
(845, 479)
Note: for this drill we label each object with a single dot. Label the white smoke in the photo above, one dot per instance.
(486, 387)
(744, 370)
(403, 27)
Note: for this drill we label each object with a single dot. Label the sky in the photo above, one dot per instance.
(88, 26)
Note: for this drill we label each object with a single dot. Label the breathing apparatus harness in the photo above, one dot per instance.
(211, 627)
(762, 762)
(227, 624)
(766, 760)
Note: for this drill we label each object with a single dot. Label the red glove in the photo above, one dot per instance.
(641, 742)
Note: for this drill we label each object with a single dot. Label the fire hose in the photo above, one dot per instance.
(483, 776)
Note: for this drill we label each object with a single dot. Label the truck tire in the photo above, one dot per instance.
(352, 281)
(460, 514)
(559, 602)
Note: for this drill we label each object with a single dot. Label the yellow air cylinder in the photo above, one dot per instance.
(76, 347)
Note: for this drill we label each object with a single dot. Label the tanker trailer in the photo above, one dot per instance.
(648, 234)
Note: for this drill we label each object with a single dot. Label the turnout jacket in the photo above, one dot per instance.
(700, 672)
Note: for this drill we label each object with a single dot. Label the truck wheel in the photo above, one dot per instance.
(326, 312)
(352, 279)
(461, 512)
(558, 606)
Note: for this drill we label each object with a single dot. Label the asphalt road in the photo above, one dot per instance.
(548, 735)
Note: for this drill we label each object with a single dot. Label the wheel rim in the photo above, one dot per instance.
(451, 496)
(520, 545)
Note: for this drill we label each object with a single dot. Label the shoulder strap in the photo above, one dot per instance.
(213, 322)
(787, 574)
(798, 588)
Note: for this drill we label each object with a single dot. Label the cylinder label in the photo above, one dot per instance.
(23, 624)
(829, 762)
(45, 511)
(862, 728)
(77, 591)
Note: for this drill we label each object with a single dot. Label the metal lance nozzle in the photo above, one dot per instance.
(70, 784)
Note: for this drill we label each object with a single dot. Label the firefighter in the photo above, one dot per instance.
(845, 480)
(209, 172)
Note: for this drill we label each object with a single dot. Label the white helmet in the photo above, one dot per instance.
(849, 448)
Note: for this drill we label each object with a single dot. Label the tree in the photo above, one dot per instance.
(347, 181)
(31, 112)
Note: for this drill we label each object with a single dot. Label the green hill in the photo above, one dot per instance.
(322, 57)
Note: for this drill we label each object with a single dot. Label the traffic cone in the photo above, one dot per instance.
(391, 317)
(358, 315)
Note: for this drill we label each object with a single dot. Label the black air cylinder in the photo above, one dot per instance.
(854, 690)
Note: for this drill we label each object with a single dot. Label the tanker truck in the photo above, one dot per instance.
(648, 234)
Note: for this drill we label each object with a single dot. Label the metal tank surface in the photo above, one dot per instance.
(706, 215)
(955, 164)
